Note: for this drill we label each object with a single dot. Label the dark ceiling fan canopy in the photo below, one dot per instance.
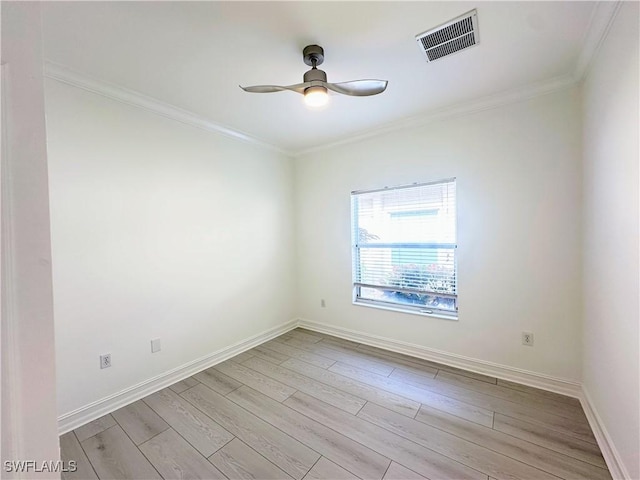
(313, 55)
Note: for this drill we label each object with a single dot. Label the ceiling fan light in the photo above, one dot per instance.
(316, 96)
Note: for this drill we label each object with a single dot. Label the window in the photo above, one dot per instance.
(404, 248)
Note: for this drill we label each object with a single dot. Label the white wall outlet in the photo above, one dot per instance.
(527, 339)
(105, 360)
(155, 345)
(323, 303)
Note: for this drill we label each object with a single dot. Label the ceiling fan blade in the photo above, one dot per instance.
(359, 88)
(299, 88)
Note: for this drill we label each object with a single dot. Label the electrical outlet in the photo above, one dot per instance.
(323, 303)
(527, 339)
(105, 360)
(155, 345)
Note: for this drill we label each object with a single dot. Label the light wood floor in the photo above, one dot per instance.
(312, 406)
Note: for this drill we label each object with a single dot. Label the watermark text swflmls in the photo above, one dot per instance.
(34, 466)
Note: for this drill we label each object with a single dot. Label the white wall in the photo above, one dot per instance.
(28, 421)
(611, 299)
(158, 230)
(519, 231)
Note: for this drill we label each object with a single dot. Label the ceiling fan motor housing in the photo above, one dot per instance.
(315, 74)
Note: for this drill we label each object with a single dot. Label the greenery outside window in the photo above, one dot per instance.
(404, 248)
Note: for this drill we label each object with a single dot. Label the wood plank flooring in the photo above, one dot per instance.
(310, 406)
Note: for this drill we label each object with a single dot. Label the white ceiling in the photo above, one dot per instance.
(193, 55)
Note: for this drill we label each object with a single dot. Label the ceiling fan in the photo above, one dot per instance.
(315, 85)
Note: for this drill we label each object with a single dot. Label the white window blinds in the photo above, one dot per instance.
(404, 246)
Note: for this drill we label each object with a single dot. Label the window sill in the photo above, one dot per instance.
(405, 310)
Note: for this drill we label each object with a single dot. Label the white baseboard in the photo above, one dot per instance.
(505, 372)
(94, 410)
(616, 468)
(525, 377)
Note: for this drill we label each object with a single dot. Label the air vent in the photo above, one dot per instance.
(450, 37)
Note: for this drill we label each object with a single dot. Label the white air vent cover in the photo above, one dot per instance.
(450, 37)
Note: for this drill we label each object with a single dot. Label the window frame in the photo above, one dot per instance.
(417, 309)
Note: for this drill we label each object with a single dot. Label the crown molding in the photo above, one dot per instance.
(71, 77)
(457, 110)
(66, 75)
(602, 17)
